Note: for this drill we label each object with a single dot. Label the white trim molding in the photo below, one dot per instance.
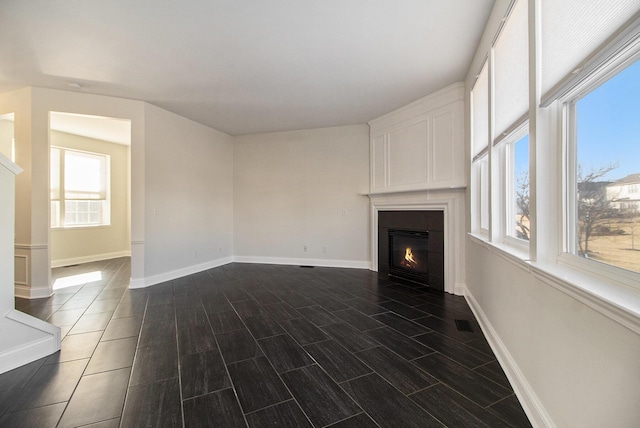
(32, 279)
(189, 270)
(451, 202)
(26, 292)
(88, 259)
(31, 246)
(177, 273)
(351, 264)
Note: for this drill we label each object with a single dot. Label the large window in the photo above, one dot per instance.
(603, 222)
(500, 143)
(79, 185)
(556, 190)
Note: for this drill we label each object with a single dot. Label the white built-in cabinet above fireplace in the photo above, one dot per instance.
(420, 146)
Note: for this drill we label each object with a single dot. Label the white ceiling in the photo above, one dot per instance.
(245, 66)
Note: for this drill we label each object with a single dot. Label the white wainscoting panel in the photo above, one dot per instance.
(21, 269)
(446, 150)
(420, 146)
(378, 160)
(407, 160)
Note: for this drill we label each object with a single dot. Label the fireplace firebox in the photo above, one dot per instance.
(409, 255)
(422, 231)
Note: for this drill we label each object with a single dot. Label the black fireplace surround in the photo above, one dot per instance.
(411, 246)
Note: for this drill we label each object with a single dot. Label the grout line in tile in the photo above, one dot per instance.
(226, 367)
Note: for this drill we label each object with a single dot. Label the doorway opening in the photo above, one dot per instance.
(90, 188)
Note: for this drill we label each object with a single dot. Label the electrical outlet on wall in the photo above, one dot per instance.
(324, 249)
(304, 248)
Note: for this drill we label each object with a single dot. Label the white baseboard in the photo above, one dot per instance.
(31, 351)
(353, 264)
(189, 270)
(88, 259)
(459, 289)
(177, 273)
(26, 292)
(532, 406)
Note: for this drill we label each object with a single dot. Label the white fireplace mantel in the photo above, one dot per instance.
(451, 201)
(417, 164)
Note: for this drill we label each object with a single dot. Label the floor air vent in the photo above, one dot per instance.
(307, 267)
(463, 325)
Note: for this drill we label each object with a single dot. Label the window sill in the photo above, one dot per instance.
(618, 302)
(100, 226)
(514, 255)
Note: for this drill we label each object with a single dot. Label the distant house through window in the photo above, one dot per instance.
(79, 188)
(606, 165)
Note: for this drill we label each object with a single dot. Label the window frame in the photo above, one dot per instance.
(60, 212)
(608, 293)
(481, 195)
(480, 150)
(608, 68)
(509, 188)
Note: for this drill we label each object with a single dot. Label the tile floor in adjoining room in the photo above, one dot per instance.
(256, 345)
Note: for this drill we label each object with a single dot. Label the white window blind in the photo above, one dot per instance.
(572, 30)
(480, 113)
(511, 71)
(85, 175)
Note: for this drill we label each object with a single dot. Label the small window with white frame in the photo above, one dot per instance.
(479, 152)
(517, 223)
(79, 188)
(480, 195)
(602, 164)
(483, 192)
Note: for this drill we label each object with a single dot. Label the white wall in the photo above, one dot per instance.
(299, 188)
(181, 187)
(189, 196)
(81, 245)
(582, 366)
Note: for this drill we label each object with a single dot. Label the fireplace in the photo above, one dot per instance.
(411, 246)
(409, 255)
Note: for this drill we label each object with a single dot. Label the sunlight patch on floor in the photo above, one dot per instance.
(83, 278)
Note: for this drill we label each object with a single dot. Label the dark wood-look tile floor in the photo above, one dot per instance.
(247, 345)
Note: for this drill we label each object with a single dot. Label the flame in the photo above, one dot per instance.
(409, 260)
